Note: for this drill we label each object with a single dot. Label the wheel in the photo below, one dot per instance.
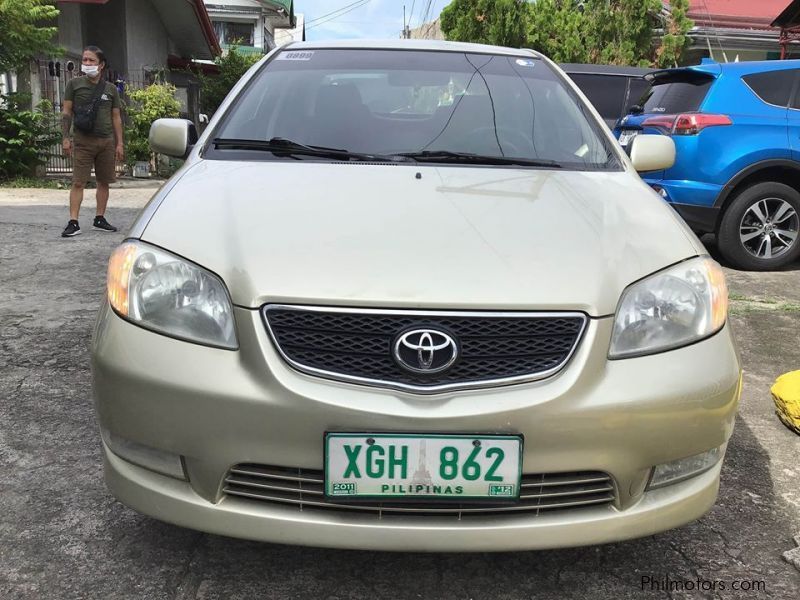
(759, 229)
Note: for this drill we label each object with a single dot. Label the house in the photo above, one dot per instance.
(250, 25)
(142, 40)
(427, 31)
(730, 30)
(789, 23)
(284, 35)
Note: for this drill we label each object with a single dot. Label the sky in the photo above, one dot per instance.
(372, 19)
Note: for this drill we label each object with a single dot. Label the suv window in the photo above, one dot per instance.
(639, 87)
(391, 102)
(676, 93)
(773, 87)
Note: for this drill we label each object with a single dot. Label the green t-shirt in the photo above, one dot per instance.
(80, 91)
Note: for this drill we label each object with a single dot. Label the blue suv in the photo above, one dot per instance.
(736, 128)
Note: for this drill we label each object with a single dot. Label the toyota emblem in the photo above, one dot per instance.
(425, 351)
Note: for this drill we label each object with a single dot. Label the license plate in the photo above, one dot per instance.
(429, 466)
(625, 137)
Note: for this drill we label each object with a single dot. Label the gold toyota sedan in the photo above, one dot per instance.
(411, 295)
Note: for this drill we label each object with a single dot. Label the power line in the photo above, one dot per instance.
(424, 18)
(431, 24)
(321, 21)
(714, 29)
(342, 8)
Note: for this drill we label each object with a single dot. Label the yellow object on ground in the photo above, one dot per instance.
(786, 393)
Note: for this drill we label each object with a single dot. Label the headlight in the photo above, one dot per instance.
(170, 295)
(670, 309)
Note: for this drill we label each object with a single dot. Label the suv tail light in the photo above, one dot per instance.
(686, 124)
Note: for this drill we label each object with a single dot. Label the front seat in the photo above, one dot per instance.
(341, 119)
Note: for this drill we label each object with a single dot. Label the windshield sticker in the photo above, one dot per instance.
(526, 62)
(296, 55)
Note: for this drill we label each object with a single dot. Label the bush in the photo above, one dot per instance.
(214, 88)
(156, 101)
(26, 136)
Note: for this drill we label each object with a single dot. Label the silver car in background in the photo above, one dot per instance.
(412, 295)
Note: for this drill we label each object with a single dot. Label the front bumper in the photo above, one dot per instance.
(217, 408)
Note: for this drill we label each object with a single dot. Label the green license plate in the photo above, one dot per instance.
(429, 466)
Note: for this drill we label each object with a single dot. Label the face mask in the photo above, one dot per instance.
(90, 70)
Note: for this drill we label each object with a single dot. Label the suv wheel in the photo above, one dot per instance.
(759, 230)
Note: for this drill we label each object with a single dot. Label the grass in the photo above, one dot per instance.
(34, 182)
(740, 305)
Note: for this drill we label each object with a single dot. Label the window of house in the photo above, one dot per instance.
(235, 32)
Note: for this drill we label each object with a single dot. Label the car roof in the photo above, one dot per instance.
(716, 69)
(401, 44)
(604, 69)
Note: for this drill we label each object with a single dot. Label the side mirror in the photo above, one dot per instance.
(652, 152)
(173, 137)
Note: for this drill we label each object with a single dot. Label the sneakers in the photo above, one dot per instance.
(72, 229)
(101, 224)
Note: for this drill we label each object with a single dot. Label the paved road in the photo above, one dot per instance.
(63, 536)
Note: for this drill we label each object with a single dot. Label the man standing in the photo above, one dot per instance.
(92, 105)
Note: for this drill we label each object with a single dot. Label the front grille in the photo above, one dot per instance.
(356, 345)
(303, 489)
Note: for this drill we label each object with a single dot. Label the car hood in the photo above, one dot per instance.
(431, 236)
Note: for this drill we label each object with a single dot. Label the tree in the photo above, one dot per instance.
(26, 136)
(675, 39)
(23, 34)
(617, 32)
(498, 22)
(156, 101)
(214, 88)
(622, 31)
(559, 29)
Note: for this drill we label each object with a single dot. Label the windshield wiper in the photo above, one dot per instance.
(477, 159)
(283, 147)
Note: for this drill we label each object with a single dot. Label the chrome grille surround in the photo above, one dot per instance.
(546, 353)
(304, 490)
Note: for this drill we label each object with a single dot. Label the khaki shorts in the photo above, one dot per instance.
(98, 152)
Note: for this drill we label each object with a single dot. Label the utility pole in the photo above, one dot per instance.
(406, 30)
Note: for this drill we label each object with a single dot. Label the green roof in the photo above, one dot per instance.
(242, 49)
(285, 4)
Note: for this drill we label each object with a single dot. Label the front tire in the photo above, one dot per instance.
(760, 230)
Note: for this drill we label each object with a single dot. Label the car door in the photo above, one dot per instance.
(794, 116)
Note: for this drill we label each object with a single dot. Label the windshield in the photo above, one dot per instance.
(398, 102)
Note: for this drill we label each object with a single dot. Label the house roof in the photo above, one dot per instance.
(287, 5)
(790, 17)
(189, 26)
(187, 23)
(735, 14)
